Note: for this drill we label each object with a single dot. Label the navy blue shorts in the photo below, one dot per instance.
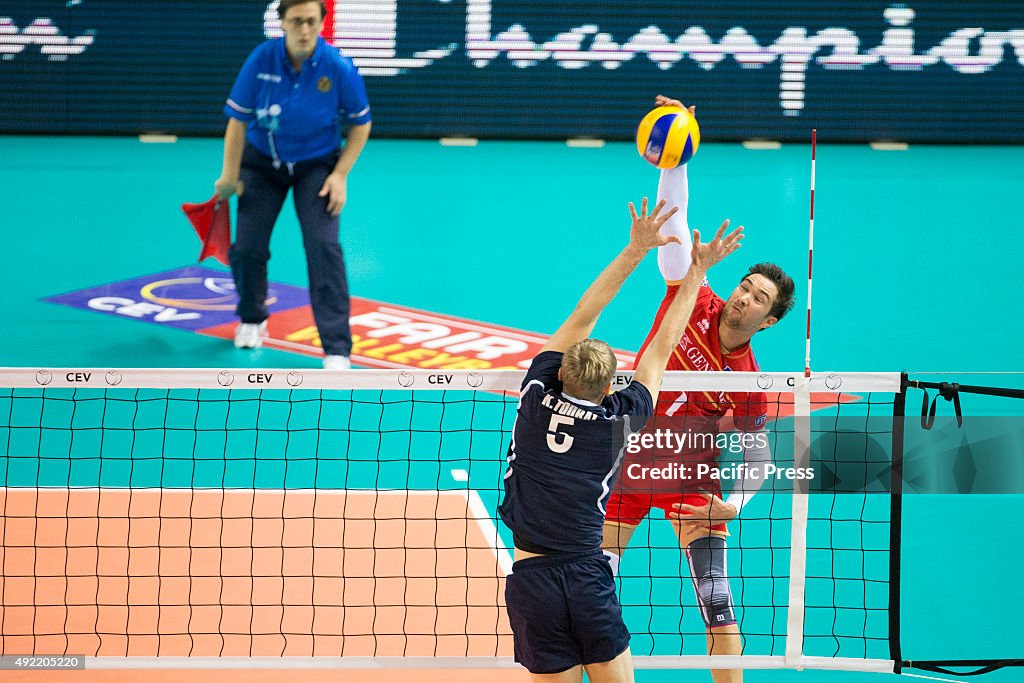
(564, 611)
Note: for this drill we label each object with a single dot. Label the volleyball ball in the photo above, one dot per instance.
(668, 137)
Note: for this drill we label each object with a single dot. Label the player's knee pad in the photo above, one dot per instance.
(707, 565)
(716, 601)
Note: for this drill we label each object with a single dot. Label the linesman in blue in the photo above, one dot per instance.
(289, 104)
(566, 450)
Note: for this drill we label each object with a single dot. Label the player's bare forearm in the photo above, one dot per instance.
(644, 235)
(581, 322)
(335, 187)
(234, 143)
(355, 141)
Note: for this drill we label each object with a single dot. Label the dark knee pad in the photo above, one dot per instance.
(707, 566)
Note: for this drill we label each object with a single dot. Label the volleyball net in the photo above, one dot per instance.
(200, 516)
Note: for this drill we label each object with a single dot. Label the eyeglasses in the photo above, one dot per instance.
(299, 22)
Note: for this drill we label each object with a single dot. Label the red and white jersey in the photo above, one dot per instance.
(699, 350)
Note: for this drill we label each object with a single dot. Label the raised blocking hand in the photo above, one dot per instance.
(645, 233)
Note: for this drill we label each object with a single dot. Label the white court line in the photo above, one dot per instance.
(460, 475)
(490, 531)
(928, 678)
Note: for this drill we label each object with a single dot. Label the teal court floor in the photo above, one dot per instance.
(917, 259)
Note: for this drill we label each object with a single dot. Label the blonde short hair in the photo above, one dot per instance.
(587, 369)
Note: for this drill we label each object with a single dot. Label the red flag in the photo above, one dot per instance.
(212, 222)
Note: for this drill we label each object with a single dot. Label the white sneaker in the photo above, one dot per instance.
(250, 335)
(337, 363)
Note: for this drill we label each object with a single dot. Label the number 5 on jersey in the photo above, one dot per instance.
(559, 442)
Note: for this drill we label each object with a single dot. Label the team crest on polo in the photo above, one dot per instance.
(324, 84)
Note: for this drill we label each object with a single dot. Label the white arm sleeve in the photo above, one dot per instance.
(674, 259)
(751, 477)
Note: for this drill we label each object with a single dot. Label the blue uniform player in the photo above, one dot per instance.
(567, 445)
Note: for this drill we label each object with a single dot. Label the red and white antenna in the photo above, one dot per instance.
(810, 255)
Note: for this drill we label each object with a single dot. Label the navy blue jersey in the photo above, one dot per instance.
(564, 458)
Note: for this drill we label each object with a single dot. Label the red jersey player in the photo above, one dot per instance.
(716, 338)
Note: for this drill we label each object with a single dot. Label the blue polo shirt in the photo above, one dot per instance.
(297, 116)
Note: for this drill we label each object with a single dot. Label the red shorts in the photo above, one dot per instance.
(631, 508)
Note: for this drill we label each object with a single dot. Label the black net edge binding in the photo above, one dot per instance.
(896, 523)
(950, 392)
(941, 666)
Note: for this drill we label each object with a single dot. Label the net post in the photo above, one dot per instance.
(896, 523)
(798, 540)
